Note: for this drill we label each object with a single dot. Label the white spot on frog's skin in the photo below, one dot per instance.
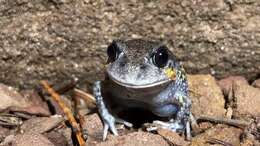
(212, 71)
(170, 94)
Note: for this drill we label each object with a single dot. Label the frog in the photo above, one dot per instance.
(143, 74)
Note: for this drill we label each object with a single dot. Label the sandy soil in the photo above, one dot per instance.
(61, 39)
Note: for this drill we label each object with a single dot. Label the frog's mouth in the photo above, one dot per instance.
(140, 86)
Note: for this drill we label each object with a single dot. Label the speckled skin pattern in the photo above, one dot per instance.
(134, 81)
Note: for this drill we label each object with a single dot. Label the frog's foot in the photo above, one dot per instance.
(174, 126)
(108, 119)
(109, 123)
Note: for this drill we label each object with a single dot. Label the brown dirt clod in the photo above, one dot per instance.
(206, 94)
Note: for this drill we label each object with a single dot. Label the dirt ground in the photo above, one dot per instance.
(227, 112)
(61, 39)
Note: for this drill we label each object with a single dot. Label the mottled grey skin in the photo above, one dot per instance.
(133, 80)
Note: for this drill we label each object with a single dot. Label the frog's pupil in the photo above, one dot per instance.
(161, 57)
(112, 52)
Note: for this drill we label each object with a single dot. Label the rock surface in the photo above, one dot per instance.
(226, 84)
(207, 98)
(41, 124)
(94, 126)
(230, 135)
(11, 98)
(247, 100)
(31, 139)
(57, 138)
(256, 83)
(135, 139)
(173, 137)
(60, 39)
(3, 133)
(13, 101)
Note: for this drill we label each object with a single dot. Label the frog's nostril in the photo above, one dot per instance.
(142, 66)
(122, 64)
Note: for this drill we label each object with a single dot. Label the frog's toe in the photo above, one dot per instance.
(121, 121)
(113, 129)
(173, 126)
(105, 130)
(109, 124)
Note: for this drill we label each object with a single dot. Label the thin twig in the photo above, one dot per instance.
(194, 125)
(64, 86)
(80, 116)
(83, 129)
(88, 98)
(218, 141)
(232, 122)
(10, 120)
(67, 112)
(8, 124)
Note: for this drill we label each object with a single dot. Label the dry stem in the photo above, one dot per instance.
(67, 112)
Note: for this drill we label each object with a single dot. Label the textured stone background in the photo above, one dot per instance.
(60, 39)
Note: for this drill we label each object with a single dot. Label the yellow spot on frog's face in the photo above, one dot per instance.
(181, 99)
(171, 73)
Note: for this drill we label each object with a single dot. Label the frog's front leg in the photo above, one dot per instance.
(108, 119)
(183, 117)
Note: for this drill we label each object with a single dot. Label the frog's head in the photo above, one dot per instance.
(139, 63)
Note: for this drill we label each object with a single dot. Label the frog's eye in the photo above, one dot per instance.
(112, 52)
(160, 57)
